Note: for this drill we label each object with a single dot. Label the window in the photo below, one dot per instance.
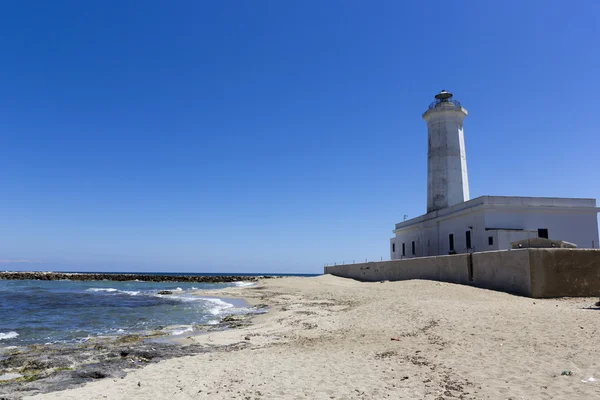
(413, 248)
(393, 247)
(543, 233)
(403, 249)
(451, 241)
(491, 240)
(468, 239)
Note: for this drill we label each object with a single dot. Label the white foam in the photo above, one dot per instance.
(183, 299)
(182, 331)
(219, 306)
(244, 284)
(179, 289)
(9, 335)
(113, 290)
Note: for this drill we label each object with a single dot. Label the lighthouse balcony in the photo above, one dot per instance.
(445, 102)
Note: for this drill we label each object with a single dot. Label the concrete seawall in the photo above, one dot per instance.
(527, 272)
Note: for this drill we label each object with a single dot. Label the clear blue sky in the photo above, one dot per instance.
(274, 136)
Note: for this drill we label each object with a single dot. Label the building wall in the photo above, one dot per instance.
(528, 272)
(432, 237)
(472, 222)
(575, 226)
(415, 234)
(506, 237)
(504, 220)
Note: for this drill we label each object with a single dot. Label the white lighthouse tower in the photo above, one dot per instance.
(447, 180)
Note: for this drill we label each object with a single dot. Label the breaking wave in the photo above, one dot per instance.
(243, 284)
(218, 306)
(9, 335)
(182, 331)
(113, 290)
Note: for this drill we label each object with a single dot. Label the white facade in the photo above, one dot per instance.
(455, 224)
(493, 222)
(447, 179)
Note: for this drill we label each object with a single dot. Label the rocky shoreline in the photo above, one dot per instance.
(46, 368)
(56, 276)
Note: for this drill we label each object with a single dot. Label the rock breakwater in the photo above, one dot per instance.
(56, 276)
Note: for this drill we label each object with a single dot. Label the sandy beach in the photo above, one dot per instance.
(333, 338)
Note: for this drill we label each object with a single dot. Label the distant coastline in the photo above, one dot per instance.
(145, 277)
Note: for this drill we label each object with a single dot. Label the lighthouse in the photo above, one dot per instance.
(456, 224)
(447, 179)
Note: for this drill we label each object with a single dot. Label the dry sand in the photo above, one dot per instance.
(330, 338)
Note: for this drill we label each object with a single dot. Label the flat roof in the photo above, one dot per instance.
(503, 201)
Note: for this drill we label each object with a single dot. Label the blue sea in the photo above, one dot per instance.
(66, 311)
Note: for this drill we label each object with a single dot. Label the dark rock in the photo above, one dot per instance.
(59, 366)
(232, 318)
(35, 365)
(130, 338)
(165, 292)
(146, 355)
(93, 374)
(55, 276)
(235, 321)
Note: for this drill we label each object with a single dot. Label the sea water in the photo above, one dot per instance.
(34, 311)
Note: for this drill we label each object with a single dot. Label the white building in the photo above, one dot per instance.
(455, 224)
